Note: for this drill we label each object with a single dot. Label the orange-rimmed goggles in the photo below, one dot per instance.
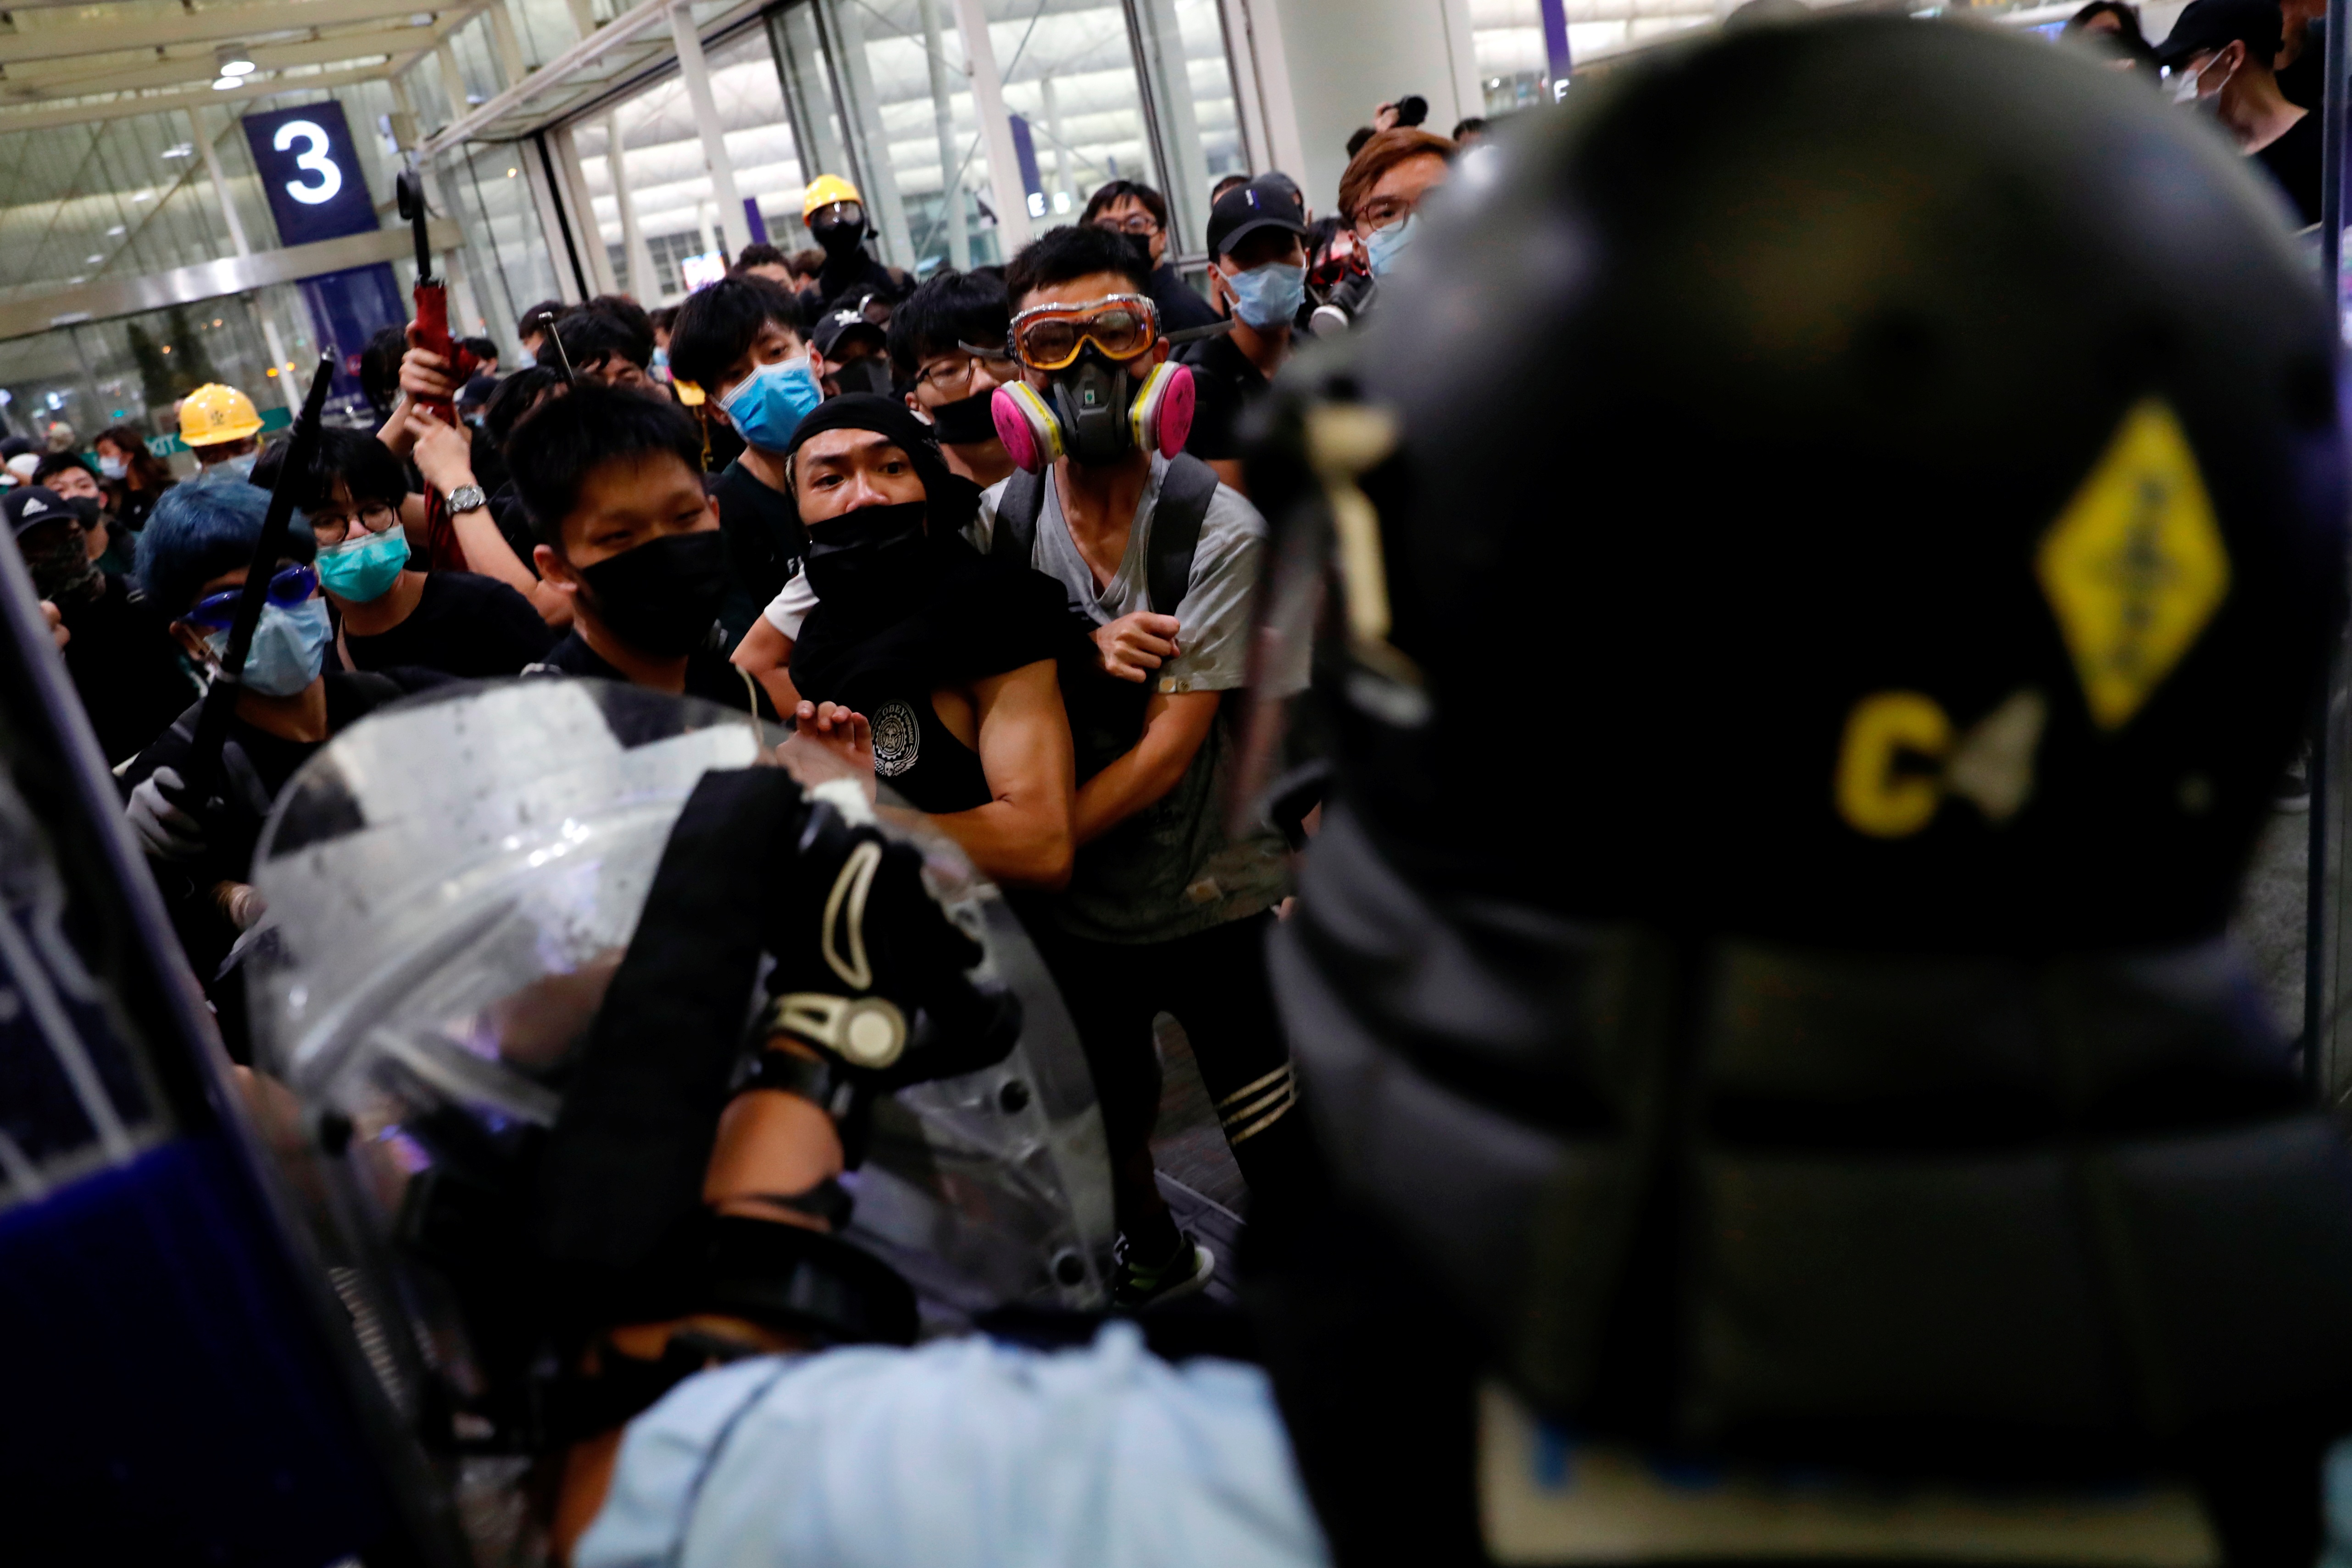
(1047, 337)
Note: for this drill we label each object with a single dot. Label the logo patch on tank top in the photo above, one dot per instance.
(898, 740)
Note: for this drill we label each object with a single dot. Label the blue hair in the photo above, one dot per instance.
(198, 531)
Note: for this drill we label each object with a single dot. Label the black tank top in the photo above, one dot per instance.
(915, 755)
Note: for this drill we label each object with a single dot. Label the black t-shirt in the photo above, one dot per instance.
(1225, 384)
(2294, 162)
(1180, 307)
(764, 544)
(708, 674)
(126, 667)
(505, 506)
(471, 626)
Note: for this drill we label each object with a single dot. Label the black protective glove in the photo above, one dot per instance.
(869, 969)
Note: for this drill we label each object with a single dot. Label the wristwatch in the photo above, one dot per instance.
(467, 497)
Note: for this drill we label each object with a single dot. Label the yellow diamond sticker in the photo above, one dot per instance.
(2134, 567)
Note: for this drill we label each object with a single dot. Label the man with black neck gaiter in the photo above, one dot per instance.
(950, 655)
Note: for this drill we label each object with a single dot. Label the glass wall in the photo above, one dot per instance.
(134, 369)
(661, 166)
(1508, 37)
(510, 261)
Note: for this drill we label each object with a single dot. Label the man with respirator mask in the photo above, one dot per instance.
(1257, 255)
(835, 215)
(125, 667)
(192, 559)
(1166, 908)
(388, 613)
(742, 341)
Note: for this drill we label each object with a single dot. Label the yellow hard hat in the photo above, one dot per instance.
(213, 413)
(825, 190)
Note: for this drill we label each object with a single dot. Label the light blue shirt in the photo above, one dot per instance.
(962, 1452)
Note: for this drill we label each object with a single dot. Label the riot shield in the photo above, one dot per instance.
(451, 885)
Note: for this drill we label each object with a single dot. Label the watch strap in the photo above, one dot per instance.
(467, 497)
(821, 1081)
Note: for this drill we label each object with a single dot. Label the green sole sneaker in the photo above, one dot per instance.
(1136, 1288)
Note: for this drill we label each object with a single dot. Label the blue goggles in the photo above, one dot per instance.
(290, 587)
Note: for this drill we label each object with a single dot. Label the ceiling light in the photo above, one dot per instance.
(144, 196)
(510, 173)
(92, 261)
(234, 59)
(179, 150)
(226, 82)
(118, 229)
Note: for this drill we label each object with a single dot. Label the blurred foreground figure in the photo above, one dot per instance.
(1831, 1123)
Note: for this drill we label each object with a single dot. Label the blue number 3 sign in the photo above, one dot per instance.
(310, 173)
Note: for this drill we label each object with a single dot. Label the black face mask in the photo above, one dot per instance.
(840, 238)
(863, 561)
(661, 598)
(59, 561)
(967, 419)
(869, 374)
(1091, 396)
(1142, 245)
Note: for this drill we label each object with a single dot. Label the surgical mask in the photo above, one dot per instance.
(661, 598)
(767, 405)
(661, 359)
(967, 419)
(113, 467)
(1268, 297)
(1385, 245)
(289, 649)
(238, 468)
(862, 559)
(867, 374)
(361, 570)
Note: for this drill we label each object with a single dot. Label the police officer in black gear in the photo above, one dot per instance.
(1837, 1062)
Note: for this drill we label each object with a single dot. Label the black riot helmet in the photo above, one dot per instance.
(1843, 480)
(1813, 576)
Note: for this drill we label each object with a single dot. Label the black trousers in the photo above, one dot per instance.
(1214, 983)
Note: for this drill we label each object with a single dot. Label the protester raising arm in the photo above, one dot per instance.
(444, 454)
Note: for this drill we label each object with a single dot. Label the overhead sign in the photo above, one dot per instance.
(309, 170)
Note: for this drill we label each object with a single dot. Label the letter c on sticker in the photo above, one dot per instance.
(1872, 796)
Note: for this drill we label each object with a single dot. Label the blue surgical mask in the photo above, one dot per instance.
(1268, 297)
(363, 569)
(289, 649)
(113, 467)
(1385, 245)
(661, 359)
(238, 468)
(767, 405)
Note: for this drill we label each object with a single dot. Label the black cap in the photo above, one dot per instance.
(2215, 24)
(834, 325)
(26, 506)
(1270, 201)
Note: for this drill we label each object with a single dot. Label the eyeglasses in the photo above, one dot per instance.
(1382, 211)
(1047, 337)
(1133, 223)
(948, 372)
(333, 527)
(290, 587)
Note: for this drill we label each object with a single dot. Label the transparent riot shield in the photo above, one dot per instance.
(451, 885)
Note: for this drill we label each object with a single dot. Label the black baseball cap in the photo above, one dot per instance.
(29, 506)
(2216, 23)
(1269, 201)
(834, 325)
